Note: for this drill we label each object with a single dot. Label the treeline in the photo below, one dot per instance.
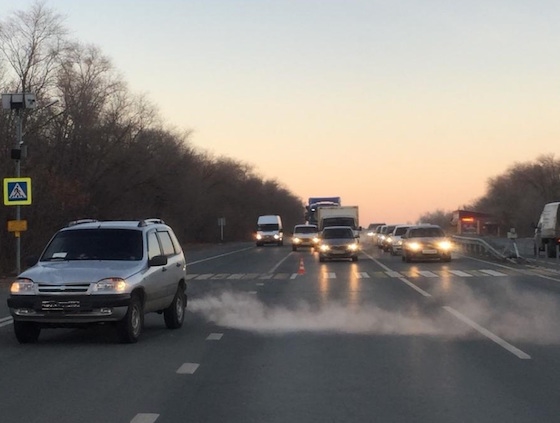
(516, 198)
(103, 152)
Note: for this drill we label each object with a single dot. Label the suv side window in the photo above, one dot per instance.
(166, 243)
(153, 245)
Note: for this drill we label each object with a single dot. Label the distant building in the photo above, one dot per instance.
(475, 223)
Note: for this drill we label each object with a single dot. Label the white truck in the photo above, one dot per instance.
(547, 232)
(339, 216)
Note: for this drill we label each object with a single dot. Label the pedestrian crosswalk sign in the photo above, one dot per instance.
(17, 191)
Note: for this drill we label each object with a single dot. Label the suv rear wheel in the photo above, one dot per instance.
(174, 315)
(130, 327)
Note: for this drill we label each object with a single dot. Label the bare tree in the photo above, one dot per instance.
(32, 41)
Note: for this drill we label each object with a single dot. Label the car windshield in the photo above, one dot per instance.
(306, 230)
(426, 233)
(334, 233)
(95, 244)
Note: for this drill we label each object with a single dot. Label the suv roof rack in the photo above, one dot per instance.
(80, 221)
(150, 221)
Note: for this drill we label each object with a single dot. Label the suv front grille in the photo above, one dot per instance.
(69, 288)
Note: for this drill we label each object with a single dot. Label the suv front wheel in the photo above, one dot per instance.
(26, 332)
(130, 327)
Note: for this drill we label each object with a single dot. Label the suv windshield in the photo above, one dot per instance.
(338, 233)
(426, 233)
(95, 244)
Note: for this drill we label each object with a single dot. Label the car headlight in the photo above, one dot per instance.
(110, 285)
(353, 247)
(389, 240)
(23, 287)
(315, 240)
(399, 242)
(259, 236)
(276, 236)
(324, 248)
(415, 246)
(445, 245)
(370, 234)
(297, 241)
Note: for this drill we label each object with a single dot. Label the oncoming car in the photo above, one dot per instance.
(338, 242)
(95, 272)
(305, 236)
(425, 241)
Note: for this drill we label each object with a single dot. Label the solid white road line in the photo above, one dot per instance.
(278, 264)
(218, 256)
(188, 368)
(6, 321)
(502, 343)
(145, 418)
(417, 289)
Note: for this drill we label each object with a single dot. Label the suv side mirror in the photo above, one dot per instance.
(157, 261)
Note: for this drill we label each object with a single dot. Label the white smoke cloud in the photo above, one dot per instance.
(514, 319)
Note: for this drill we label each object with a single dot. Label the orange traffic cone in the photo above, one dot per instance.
(301, 270)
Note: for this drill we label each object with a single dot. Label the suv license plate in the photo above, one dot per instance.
(60, 305)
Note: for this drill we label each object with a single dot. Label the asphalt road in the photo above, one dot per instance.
(275, 336)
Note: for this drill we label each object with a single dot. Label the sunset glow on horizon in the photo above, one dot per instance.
(401, 108)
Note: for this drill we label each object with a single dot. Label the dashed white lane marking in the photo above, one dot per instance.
(329, 275)
(266, 276)
(188, 368)
(145, 418)
(427, 274)
(204, 276)
(214, 336)
(393, 274)
(252, 292)
(460, 273)
(260, 284)
(417, 289)
(236, 276)
(362, 275)
(502, 343)
(5, 321)
(492, 272)
(294, 275)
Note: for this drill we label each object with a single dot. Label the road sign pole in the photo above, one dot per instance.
(19, 142)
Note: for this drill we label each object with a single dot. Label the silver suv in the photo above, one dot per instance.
(102, 271)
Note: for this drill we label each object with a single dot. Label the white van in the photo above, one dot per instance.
(547, 232)
(269, 230)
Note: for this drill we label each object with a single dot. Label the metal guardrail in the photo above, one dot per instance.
(480, 247)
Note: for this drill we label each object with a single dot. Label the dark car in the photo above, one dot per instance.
(337, 242)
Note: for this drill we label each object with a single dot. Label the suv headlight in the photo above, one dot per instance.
(353, 247)
(23, 287)
(297, 240)
(110, 286)
(324, 247)
(259, 236)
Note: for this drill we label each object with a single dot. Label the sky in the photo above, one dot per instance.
(401, 107)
